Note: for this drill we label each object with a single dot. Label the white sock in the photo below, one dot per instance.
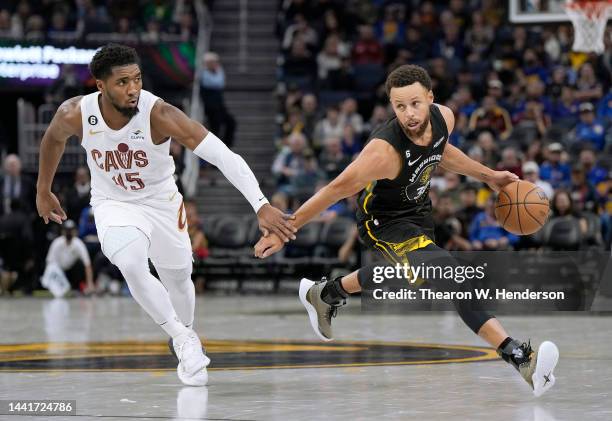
(182, 292)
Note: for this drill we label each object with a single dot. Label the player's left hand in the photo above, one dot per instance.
(273, 220)
(500, 179)
(267, 246)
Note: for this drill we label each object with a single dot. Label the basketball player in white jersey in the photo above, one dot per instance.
(139, 212)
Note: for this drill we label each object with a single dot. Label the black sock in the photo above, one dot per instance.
(333, 293)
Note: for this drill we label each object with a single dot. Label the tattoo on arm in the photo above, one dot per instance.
(484, 176)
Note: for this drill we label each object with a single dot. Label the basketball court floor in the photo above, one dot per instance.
(106, 354)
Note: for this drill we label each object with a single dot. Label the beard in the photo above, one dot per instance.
(419, 131)
(128, 112)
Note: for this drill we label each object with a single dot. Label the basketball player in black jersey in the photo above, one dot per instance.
(393, 172)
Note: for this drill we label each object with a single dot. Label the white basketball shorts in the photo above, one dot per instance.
(160, 217)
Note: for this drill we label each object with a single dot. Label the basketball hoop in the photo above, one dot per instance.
(589, 19)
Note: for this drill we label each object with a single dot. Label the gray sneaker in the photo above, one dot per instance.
(538, 371)
(319, 312)
(536, 368)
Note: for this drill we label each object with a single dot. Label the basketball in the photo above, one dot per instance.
(522, 207)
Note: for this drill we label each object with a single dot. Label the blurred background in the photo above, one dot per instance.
(296, 88)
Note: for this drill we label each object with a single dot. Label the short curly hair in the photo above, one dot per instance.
(109, 56)
(407, 75)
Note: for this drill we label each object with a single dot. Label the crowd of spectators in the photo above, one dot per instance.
(523, 102)
(144, 21)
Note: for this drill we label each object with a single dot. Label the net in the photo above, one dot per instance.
(589, 19)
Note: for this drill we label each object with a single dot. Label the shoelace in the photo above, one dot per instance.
(527, 351)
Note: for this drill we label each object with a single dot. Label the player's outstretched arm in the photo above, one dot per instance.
(453, 159)
(377, 161)
(66, 122)
(169, 121)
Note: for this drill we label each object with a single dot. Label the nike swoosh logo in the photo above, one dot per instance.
(438, 142)
(414, 162)
(91, 132)
(261, 198)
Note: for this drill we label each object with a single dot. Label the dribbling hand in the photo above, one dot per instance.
(500, 179)
(49, 207)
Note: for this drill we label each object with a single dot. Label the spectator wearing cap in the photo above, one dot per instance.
(590, 129)
(557, 173)
(595, 174)
(490, 116)
(70, 253)
(531, 173)
(212, 85)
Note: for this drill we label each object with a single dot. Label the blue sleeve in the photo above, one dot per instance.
(83, 222)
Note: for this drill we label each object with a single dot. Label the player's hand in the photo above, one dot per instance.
(49, 207)
(267, 246)
(272, 220)
(500, 179)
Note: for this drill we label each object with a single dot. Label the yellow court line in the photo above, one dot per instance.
(488, 355)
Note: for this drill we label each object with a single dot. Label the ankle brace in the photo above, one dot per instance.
(511, 352)
(333, 293)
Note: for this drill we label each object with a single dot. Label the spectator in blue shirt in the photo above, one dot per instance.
(595, 174)
(486, 233)
(604, 108)
(565, 108)
(590, 129)
(557, 173)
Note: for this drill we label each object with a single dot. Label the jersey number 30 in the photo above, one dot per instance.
(132, 178)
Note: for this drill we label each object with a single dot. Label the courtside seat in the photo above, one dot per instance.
(333, 236)
(562, 233)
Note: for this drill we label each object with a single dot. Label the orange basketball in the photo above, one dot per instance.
(522, 207)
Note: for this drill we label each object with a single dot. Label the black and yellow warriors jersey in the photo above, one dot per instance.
(406, 196)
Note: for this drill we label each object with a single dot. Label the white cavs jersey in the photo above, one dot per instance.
(125, 164)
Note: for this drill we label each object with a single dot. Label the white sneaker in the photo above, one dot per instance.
(192, 364)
